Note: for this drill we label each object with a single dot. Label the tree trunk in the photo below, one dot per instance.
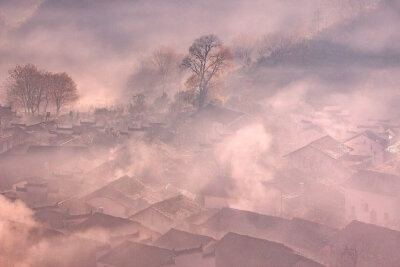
(202, 99)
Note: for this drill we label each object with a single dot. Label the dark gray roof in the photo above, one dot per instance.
(240, 250)
(130, 254)
(178, 240)
(100, 220)
(121, 190)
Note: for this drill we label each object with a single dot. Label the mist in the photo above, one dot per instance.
(199, 133)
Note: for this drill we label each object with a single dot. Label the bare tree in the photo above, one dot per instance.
(47, 80)
(138, 107)
(244, 50)
(34, 90)
(274, 44)
(25, 88)
(166, 63)
(207, 59)
(158, 73)
(63, 90)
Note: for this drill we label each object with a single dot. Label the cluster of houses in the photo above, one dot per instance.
(334, 202)
(362, 170)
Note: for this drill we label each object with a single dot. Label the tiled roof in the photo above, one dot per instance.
(130, 254)
(328, 146)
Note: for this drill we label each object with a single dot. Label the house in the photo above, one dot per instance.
(132, 254)
(163, 215)
(242, 222)
(322, 158)
(304, 236)
(390, 133)
(207, 125)
(302, 196)
(241, 250)
(36, 192)
(367, 245)
(19, 135)
(114, 202)
(6, 116)
(179, 240)
(56, 219)
(122, 197)
(42, 132)
(74, 205)
(6, 143)
(201, 217)
(194, 257)
(373, 197)
(115, 227)
(308, 238)
(188, 248)
(367, 143)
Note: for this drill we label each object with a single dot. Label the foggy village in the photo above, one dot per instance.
(204, 133)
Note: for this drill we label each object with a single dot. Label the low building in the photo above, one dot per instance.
(373, 197)
(322, 158)
(164, 215)
(187, 247)
(368, 144)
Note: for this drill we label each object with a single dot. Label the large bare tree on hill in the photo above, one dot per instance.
(207, 59)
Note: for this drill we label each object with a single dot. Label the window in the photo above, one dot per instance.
(365, 207)
(386, 217)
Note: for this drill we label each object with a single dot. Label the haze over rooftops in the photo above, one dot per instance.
(217, 113)
(228, 219)
(375, 182)
(372, 136)
(120, 189)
